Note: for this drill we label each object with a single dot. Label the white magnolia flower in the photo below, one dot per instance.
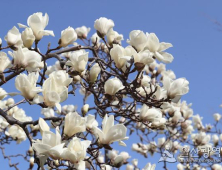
(4, 62)
(28, 37)
(47, 112)
(215, 139)
(197, 121)
(82, 32)
(110, 132)
(26, 84)
(201, 138)
(61, 78)
(76, 152)
(67, 37)
(53, 93)
(120, 55)
(169, 73)
(21, 116)
(102, 25)
(135, 162)
(78, 60)
(43, 126)
(17, 133)
(95, 39)
(0, 41)
(13, 37)
(52, 68)
(114, 37)
(137, 39)
(217, 117)
(91, 121)
(157, 48)
(37, 22)
(112, 86)
(24, 58)
(144, 57)
(150, 114)
(3, 94)
(49, 146)
(3, 123)
(175, 88)
(129, 167)
(149, 167)
(94, 72)
(68, 108)
(74, 123)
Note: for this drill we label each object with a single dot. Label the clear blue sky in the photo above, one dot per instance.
(187, 25)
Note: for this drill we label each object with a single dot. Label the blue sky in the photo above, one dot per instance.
(188, 25)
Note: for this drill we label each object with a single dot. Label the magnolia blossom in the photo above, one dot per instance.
(157, 48)
(26, 84)
(52, 68)
(121, 55)
(17, 133)
(61, 78)
(28, 37)
(82, 32)
(201, 138)
(112, 86)
(76, 152)
(49, 146)
(175, 88)
(78, 60)
(43, 126)
(102, 25)
(0, 41)
(67, 37)
(143, 57)
(217, 117)
(21, 116)
(95, 39)
(94, 72)
(24, 58)
(110, 132)
(47, 112)
(114, 37)
(53, 93)
(137, 39)
(3, 123)
(74, 123)
(91, 121)
(4, 62)
(37, 22)
(13, 37)
(150, 114)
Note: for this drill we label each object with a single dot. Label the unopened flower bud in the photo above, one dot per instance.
(31, 161)
(85, 109)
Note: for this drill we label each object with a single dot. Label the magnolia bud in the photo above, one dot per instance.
(85, 109)
(67, 37)
(217, 117)
(28, 37)
(0, 42)
(31, 161)
(30, 151)
(94, 72)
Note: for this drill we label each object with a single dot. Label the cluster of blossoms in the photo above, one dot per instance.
(133, 94)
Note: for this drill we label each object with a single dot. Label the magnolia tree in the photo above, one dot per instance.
(133, 95)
